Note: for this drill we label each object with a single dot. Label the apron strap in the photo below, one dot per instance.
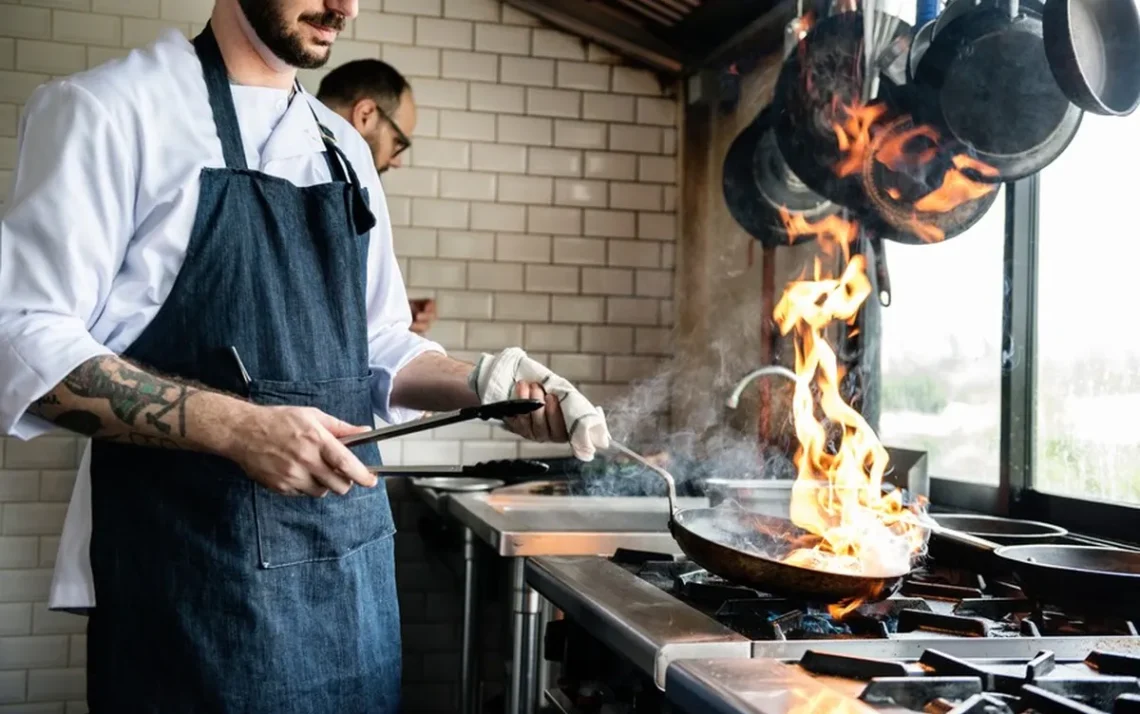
(221, 100)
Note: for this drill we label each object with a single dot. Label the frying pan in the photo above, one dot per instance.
(1013, 114)
(1003, 531)
(1076, 577)
(1093, 48)
(728, 542)
(758, 182)
(814, 81)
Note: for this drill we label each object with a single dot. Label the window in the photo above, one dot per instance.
(1088, 346)
(941, 350)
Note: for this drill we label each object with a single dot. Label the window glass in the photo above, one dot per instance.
(1088, 345)
(941, 350)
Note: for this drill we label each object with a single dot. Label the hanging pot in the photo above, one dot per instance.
(1093, 48)
(909, 204)
(821, 77)
(1012, 114)
(758, 183)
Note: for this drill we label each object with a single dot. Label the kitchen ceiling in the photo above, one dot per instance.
(675, 37)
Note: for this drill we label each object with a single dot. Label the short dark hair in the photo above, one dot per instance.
(364, 78)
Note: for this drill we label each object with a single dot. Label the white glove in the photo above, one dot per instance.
(494, 380)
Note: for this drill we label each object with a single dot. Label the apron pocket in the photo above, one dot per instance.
(301, 529)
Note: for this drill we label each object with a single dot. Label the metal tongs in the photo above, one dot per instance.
(495, 410)
(507, 470)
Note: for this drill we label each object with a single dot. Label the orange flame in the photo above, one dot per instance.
(837, 494)
(864, 142)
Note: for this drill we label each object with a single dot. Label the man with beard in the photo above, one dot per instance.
(196, 271)
(378, 102)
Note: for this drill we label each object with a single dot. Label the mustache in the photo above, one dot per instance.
(329, 19)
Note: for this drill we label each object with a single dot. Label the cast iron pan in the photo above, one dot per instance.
(898, 195)
(747, 548)
(823, 73)
(1011, 113)
(1081, 578)
(1093, 48)
(758, 182)
(1003, 531)
(727, 542)
(820, 77)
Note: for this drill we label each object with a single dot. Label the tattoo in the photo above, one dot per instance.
(111, 398)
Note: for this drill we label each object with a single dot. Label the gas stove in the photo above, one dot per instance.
(822, 682)
(933, 603)
(638, 619)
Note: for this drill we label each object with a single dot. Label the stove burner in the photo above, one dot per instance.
(939, 601)
(944, 683)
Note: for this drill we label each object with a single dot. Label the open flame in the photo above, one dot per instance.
(907, 150)
(838, 494)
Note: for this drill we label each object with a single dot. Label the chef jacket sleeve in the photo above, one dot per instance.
(391, 343)
(68, 220)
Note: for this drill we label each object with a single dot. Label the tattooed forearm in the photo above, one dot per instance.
(111, 398)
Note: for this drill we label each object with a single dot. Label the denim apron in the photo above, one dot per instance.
(214, 594)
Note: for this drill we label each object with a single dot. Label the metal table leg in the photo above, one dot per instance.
(544, 673)
(522, 697)
(469, 661)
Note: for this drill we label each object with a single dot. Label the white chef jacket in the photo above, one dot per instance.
(99, 216)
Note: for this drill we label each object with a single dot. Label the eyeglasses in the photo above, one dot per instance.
(403, 143)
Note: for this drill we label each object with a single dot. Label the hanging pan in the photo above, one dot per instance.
(1093, 48)
(985, 80)
(821, 77)
(758, 183)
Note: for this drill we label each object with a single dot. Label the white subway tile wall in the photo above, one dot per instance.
(536, 206)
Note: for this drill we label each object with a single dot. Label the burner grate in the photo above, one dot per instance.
(941, 682)
(942, 602)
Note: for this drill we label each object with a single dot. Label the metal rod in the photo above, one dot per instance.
(469, 671)
(522, 695)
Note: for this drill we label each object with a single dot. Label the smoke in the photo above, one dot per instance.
(678, 415)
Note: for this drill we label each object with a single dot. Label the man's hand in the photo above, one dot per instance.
(546, 424)
(511, 373)
(296, 450)
(287, 449)
(423, 315)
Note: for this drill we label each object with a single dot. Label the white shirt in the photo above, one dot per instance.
(99, 216)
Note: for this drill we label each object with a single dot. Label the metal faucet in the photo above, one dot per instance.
(733, 400)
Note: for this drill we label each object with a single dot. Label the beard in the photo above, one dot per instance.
(373, 141)
(269, 24)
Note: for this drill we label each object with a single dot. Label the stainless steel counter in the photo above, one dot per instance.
(522, 526)
(760, 686)
(519, 526)
(644, 623)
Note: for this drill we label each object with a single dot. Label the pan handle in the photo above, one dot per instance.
(965, 539)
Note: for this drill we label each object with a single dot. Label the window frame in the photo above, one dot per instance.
(1015, 495)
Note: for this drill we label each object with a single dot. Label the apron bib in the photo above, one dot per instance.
(213, 593)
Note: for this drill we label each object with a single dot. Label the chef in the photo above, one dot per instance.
(196, 270)
(378, 102)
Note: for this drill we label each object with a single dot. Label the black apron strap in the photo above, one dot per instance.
(221, 100)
